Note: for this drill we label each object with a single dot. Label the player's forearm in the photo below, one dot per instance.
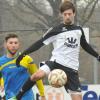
(34, 47)
(89, 49)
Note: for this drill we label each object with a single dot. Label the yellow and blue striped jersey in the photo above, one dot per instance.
(14, 77)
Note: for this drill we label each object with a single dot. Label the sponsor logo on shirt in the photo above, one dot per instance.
(71, 42)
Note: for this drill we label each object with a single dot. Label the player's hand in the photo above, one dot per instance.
(1, 88)
(19, 59)
(43, 98)
(98, 58)
(2, 92)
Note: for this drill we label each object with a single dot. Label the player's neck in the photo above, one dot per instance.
(9, 55)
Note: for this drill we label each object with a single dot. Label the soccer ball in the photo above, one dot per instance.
(57, 78)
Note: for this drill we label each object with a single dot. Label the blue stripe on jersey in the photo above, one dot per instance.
(14, 78)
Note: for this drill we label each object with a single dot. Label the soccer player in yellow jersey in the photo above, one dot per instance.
(15, 77)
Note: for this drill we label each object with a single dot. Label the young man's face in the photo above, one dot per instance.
(12, 45)
(68, 16)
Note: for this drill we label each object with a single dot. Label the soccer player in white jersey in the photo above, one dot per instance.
(66, 39)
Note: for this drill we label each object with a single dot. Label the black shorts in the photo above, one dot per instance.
(73, 83)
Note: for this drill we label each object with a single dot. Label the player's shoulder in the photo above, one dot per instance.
(53, 30)
(2, 58)
(27, 57)
(76, 26)
(80, 28)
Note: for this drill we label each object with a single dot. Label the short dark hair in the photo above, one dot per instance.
(67, 5)
(11, 35)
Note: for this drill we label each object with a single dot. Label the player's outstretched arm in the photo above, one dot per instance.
(35, 46)
(88, 48)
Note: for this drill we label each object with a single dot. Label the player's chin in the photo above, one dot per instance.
(68, 22)
(13, 52)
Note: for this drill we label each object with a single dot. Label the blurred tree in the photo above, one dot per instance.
(44, 14)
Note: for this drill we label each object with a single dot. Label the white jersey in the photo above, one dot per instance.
(66, 40)
(66, 45)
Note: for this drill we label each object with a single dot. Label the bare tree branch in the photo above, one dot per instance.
(90, 14)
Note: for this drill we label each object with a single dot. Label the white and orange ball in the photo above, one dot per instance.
(57, 78)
